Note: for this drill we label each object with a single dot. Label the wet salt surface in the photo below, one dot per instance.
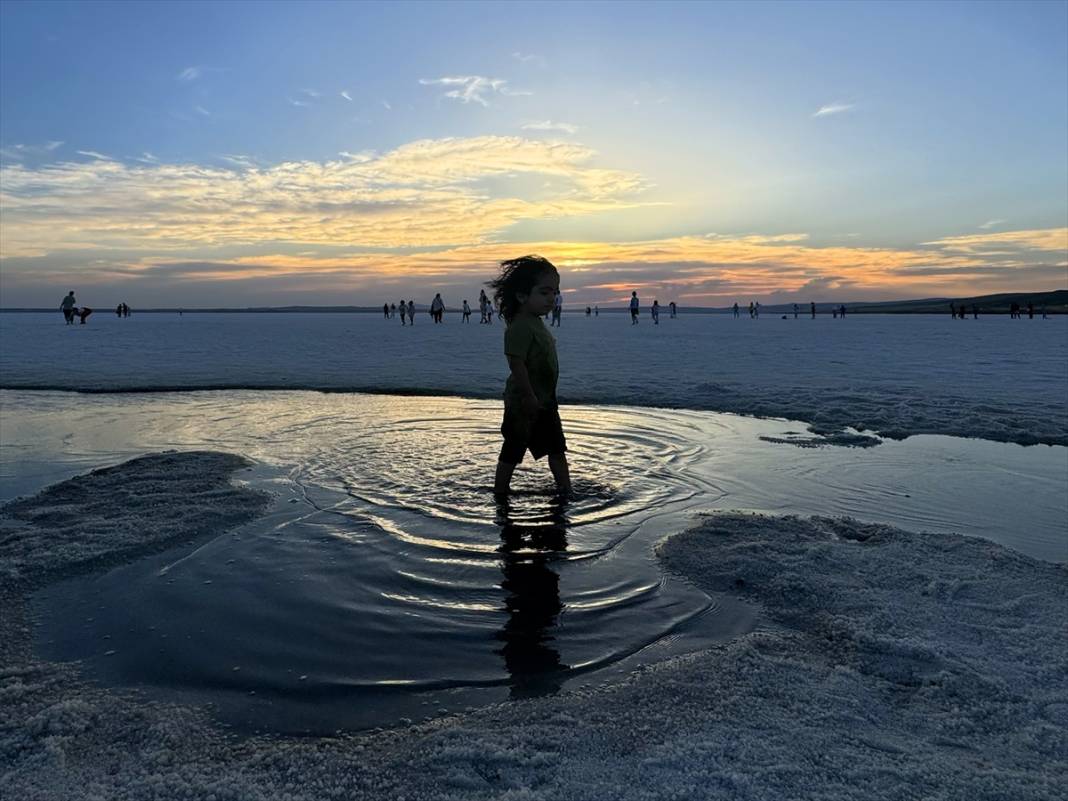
(387, 584)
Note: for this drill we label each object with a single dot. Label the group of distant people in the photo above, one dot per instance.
(122, 310)
(1016, 313)
(654, 310)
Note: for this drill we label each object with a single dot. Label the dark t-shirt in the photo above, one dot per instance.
(529, 339)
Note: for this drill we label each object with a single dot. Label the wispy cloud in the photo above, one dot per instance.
(473, 88)
(347, 96)
(94, 155)
(238, 160)
(202, 111)
(18, 152)
(298, 103)
(833, 108)
(386, 105)
(529, 58)
(549, 125)
(991, 224)
(147, 158)
(361, 157)
(190, 74)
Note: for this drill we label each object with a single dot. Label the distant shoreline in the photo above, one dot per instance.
(1055, 302)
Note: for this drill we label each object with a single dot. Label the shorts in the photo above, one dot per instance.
(542, 436)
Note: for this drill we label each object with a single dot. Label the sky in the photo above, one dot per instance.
(249, 154)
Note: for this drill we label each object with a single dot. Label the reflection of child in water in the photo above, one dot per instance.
(525, 290)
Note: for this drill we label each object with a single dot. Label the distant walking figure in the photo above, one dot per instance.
(656, 312)
(952, 311)
(67, 307)
(125, 309)
(1030, 311)
(385, 310)
(841, 311)
(482, 303)
(526, 289)
(558, 308)
(392, 310)
(752, 310)
(596, 311)
(813, 306)
(672, 308)
(467, 312)
(118, 310)
(437, 308)
(756, 309)
(588, 310)
(411, 312)
(795, 311)
(634, 308)
(403, 312)
(735, 307)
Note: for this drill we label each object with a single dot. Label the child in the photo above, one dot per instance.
(403, 312)
(525, 290)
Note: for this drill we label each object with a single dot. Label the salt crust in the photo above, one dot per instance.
(896, 375)
(891, 665)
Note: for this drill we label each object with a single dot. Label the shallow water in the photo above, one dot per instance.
(387, 583)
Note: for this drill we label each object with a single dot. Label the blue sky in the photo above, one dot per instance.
(715, 151)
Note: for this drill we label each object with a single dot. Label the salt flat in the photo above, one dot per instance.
(898, 375)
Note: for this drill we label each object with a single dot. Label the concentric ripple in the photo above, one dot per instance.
(393, 570)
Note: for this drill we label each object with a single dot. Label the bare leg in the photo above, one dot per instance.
(558, 464)
(502, 480)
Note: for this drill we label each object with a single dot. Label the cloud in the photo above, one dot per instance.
(387, 106)
(298, 103)
(19, 152)
(472, 88)
(190, 74)
(529, 58)
(94, 155)
(202, 111)
(833, 108)
(549, 125)
(1051, 240)
(428, 193)
(147, 158)
(991, 224)
(347, 96)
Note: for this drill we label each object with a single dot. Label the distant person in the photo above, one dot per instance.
(467, 312)
(392, 310)
(1030, 311)
(812, 305)
(82, 313)
(67, 307)
(834, 312)
(437, 308)
(385, 310)
(118, 311)
(673, 309)
(558, 309)
(489, 312)
(752, 310)
(482, 303)
(975, 312)
(125, 309)
(841, 311)
(411, 312)
(596, 311)
(588, 310)
(525, 289)
(403, 312)
(952, 311)
(634, 308)
(736, 313)
(795, 311)
(756, 308)
(1043, 311)
(656, 312)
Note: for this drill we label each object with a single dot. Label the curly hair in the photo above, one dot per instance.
(518, 276)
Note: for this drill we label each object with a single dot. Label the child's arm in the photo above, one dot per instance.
(522, 380)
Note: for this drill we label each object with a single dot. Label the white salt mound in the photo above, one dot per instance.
(891, 665)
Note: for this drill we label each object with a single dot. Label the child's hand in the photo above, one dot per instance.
(531, 405)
